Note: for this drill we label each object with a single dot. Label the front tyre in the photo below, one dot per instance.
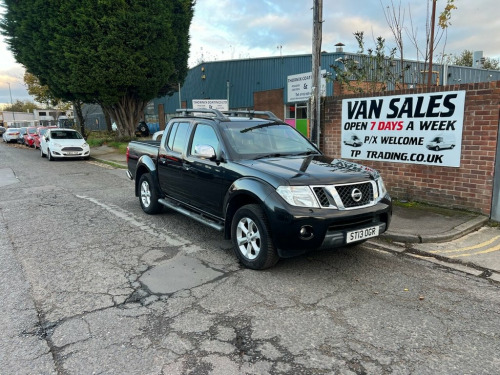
(147, 195)
(49, 155)
(252, 241)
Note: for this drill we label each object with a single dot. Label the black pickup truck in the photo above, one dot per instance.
(258, 180)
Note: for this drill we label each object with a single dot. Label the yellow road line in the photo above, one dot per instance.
(493, 249)
(489, 242)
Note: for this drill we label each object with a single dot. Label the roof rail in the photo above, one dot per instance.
(223, 116)
(252, 114)
(218, 114)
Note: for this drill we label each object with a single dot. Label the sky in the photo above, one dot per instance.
(240, 29)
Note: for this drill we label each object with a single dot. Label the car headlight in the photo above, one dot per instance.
(85, 144)
(382, 191)
(300, 196)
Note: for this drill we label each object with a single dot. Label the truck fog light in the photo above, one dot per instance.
(306, 232)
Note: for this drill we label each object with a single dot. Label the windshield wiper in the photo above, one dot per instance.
(308, 152)
(274, 155)
(260, 126)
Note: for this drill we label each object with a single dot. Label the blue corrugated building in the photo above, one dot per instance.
(242, 78)
(262, 84)
(243, 81)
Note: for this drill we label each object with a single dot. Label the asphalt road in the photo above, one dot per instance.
(89, 284)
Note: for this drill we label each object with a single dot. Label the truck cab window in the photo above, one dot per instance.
(204, 135)
(177, 137)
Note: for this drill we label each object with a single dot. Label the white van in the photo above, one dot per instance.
(352, 140)
(441, 142)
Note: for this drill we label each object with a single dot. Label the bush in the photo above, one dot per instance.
(99, 138)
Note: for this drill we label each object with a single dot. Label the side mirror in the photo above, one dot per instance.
(204, 151)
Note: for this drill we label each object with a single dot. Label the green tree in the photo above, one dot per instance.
(21, 106)
(466, 57)
(370, 72)
(463, 59)
(116, 53)
(42, 94)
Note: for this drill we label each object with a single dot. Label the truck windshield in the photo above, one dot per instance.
(253, 140)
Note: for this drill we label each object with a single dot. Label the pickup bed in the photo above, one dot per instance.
(260, 182)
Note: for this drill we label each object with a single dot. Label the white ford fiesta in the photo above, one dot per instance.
(63, 143)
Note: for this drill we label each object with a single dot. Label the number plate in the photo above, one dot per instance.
(358, 235)
(73, 153)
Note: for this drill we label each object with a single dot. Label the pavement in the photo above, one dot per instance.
(466, 241)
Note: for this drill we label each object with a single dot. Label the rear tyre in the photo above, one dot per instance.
(148, 196)
(251, 238)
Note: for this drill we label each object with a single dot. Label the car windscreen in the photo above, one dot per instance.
(248, 140)
(64, 134)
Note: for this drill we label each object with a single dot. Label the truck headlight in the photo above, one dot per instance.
(382, 191)
(300, 196)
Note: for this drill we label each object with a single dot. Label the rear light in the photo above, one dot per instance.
(128, 153)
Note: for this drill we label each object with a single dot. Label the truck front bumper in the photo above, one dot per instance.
(297, 230)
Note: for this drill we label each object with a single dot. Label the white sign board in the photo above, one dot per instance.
(219, 104)
(415, 129)
(299, 87)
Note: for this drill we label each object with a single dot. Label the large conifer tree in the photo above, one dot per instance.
(117, 53)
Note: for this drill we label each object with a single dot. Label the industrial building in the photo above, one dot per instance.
(268, 83)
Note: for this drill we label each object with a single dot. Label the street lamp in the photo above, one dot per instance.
(12, 105)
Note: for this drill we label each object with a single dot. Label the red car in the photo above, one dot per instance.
(40, 131)
(29, 136)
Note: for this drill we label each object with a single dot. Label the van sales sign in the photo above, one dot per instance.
(415, 129)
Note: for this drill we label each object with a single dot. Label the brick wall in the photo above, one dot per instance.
(468, 187)
(270, 100)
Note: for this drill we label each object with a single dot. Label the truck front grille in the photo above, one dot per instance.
(348, 196)
(322, 196)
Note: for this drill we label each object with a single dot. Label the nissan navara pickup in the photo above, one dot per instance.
(260, 182)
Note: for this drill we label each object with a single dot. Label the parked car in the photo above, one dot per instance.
(29, 136)
(22, 132)
(63, 143)
(2, 130)
(40, 131)
(10, 135)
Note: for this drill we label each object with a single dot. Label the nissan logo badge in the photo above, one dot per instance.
(356, 195)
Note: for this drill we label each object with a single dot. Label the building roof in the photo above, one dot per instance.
(239, 79)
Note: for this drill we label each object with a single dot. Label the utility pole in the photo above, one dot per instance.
(315, 114)
(431, 50)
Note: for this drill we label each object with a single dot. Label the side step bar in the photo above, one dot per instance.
(199, 218)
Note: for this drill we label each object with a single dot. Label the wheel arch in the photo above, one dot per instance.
(145, 165)
(242, 192)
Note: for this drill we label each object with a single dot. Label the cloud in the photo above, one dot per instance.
(13, 76)
(237, 29)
